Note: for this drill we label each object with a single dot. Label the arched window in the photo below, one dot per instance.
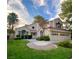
(23, 32)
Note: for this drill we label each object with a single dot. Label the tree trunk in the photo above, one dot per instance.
(12, 27)
(12, 34)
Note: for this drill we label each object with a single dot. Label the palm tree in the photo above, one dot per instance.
(12, 19)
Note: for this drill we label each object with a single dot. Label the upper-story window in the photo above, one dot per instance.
(58, 25)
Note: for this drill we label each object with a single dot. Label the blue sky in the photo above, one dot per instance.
(46, 8)
(27, 9)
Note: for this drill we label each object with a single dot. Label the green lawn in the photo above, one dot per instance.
(17, 49)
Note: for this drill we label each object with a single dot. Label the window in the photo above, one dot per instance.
(58, 25)
(23, 32)
(33, 27)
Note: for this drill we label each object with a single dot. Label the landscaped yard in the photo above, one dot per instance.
(17, 49)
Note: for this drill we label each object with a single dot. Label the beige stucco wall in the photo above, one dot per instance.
(29, 29)
(47, 32)
(53, 22)
(20, 29)
(58, 38)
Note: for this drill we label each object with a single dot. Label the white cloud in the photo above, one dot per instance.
(57, 5)
(22, 12)
(61, 1)
(39, 2)
(59, 10)
(48, 12)
(57, 16)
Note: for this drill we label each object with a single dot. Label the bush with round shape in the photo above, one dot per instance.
(43, 38)
(66, 44)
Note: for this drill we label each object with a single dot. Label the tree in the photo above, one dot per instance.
(40, 20)
(12, 20)
(66, 14)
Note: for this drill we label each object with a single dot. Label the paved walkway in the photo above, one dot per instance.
(40, 45)
(34, 40)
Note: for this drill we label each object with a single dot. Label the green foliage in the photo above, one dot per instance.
(66, 14)
(18, 37)
(17, 49)
(12, 19)
(28, 36)
(23, 36)
(40, 20)
(39, 17)
(66, 44)
(67, 8)
(9, 31)
(43, 38)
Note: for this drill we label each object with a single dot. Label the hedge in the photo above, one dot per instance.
(43, 38)
(66, 44)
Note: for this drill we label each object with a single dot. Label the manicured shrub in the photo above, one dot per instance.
(43, 38)
(47, 38)
(17, 37)
(66, 44)
(22, 37)
(28, 36)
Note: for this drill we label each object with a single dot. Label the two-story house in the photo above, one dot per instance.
(54, 29)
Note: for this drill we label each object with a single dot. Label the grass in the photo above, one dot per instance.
(17, 49)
